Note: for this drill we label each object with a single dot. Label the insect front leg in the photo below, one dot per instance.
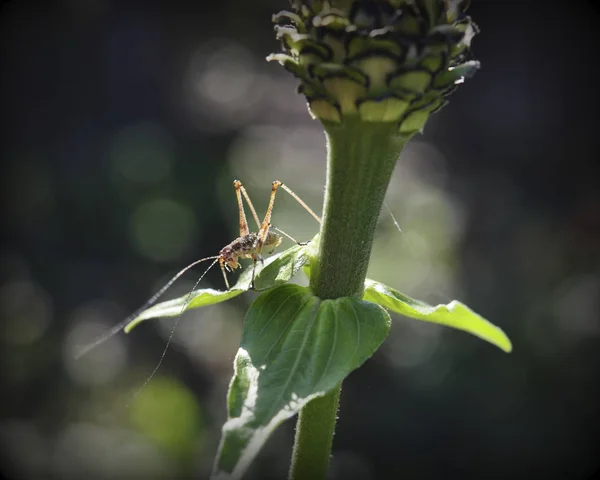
(255, 258)
(223, 266)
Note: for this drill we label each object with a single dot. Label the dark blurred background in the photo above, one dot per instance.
(123, 125)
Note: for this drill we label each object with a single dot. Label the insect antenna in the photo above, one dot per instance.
(170, 339)
(443, 297)
(120, 326)
(408, 242)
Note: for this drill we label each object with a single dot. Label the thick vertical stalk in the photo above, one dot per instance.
(361, 159)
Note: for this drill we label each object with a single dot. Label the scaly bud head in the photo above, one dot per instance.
(379, 61)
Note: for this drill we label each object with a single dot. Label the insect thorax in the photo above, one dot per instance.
(247, 245)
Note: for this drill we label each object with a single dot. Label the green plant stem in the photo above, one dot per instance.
(360, 162)
(361, 159)
(314, 436)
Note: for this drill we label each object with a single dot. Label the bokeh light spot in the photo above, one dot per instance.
(101, 364)
(27, 449)
(228, 75)
(168, 413)
(163, 230)
(142, 153)
(26, 311)
(84, 450)
(408, 347)
(222, 84)
(350, 465)
(210, 336)
(577, 306)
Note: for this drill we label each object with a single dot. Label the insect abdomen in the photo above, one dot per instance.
(272, 241)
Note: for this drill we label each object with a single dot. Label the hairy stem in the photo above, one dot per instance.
(361, 159)
(314, 436)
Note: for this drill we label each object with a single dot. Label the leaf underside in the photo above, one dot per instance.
(455, 314)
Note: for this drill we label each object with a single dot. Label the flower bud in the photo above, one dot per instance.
(378, 60)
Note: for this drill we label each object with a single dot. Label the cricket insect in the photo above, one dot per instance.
(251, 245)
(247, 245)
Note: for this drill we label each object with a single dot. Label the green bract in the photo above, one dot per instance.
(384, 61)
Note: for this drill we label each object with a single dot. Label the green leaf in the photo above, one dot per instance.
(454, 314)
(173, 308)
(277, 269)
(295, 347)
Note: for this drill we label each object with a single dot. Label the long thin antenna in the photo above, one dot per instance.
(120, 326)
(164, 353)
(410, 246)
